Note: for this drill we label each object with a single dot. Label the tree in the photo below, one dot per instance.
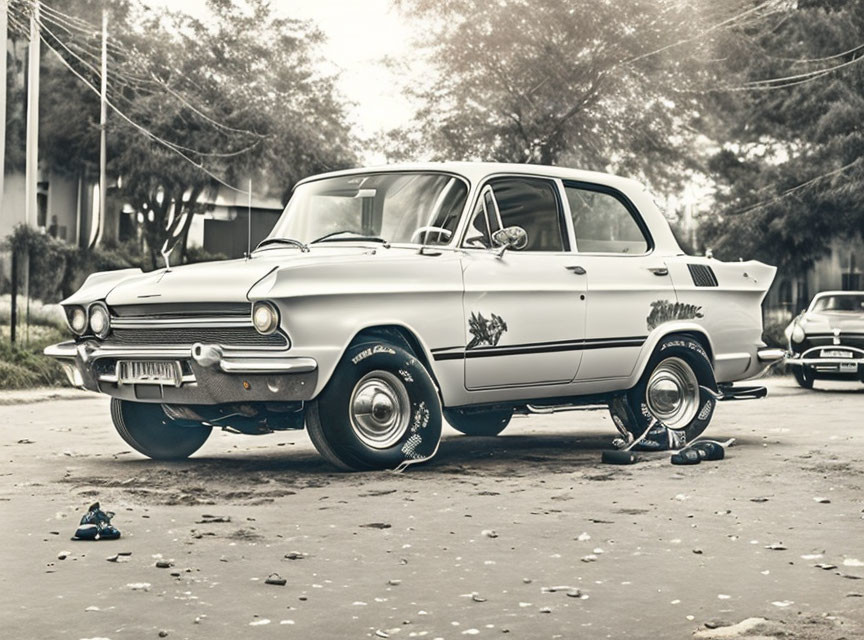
(600, 85)
(792, 178)
(195, 104)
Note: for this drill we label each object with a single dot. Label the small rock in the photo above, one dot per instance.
(589, 558)
(489, 533)
(376, 525)
(114, 558)
(574, 593)
(63, 555)
(276, 579)
(854, 594)
(382, 634)
(208, 519)
(698, 552)
(760, 499)
(546, 610)
(139, 586)
(394, 582)
(164, 564)
(527, 580)
(163, 634)
(477, 598)
(825, 566)
(822, 500)
(295, 555)
(775, 547)
(25, 441)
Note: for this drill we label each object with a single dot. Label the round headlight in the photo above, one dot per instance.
(99, 321)
(78, 320)
(798, 334)
(265, 317)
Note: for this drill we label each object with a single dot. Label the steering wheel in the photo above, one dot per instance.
(428, 230)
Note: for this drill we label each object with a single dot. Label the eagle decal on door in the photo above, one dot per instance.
(486, 332)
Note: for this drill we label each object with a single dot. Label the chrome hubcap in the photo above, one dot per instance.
(379, 409)
(672, 394)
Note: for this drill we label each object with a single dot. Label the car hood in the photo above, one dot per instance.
(827, 321)
(223, 281)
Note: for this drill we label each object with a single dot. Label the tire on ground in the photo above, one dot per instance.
(630, 411)
(146, 428)
(329, 420)
(478, 422)
(803, 376)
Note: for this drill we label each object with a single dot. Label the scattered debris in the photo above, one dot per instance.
(295, 555)
(164, 564)
(208, 519)
(489, 533)
(775, 547)
(731, 631)
(96, 525)
(63, 555)
(276, 579)
(822, 500)
(478, 598)
(376, 525)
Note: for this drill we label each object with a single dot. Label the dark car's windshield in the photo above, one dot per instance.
(419, 208)
(853, 303)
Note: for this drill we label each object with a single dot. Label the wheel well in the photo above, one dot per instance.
(702, 339)
(400, 336)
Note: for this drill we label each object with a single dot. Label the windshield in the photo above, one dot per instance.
(847, 302)
(418, 208)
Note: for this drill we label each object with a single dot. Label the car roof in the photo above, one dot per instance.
(822, 294)
(477, 171)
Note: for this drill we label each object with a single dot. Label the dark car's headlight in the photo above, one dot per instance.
(265, 317)
(77, 319)
(798, 334)
(100, 320)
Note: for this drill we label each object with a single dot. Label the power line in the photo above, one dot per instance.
(795, 189)
(170, 146)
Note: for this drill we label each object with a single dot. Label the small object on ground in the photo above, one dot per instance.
(394, 582)
(96, 525)
(478, 598)
(275, 578)
(612, 456)
(686, 456)
(163, 634)
(775, 547)
(822, 500)
(709, 449)
(63, 555)
(376, 525)
(489, 533)
(295, 555)
(761, 499)
(164, 564)
(25, 441)
(698, 552)
(825, 566)
(574, 593)
(208, 519)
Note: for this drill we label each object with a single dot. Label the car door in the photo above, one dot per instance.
(625, 280)
(524, 309)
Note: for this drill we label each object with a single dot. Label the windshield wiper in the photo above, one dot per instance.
(358, 236)
(303, 247)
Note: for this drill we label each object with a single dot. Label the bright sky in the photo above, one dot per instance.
(361, 34)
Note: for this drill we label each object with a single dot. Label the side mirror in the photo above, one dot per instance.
(515, 238)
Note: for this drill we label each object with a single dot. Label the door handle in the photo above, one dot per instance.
(659, 271)
(578, 270)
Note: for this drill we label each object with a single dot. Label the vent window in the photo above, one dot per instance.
(703, 275)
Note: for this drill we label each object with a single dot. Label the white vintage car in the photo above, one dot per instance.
(387, 299)
(826, 341)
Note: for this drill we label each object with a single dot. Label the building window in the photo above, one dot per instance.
(851, 281)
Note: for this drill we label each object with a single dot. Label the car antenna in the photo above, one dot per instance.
(249, 222)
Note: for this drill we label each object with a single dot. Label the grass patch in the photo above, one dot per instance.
(23, 366)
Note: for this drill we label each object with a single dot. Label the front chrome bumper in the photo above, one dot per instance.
(211, 374)
(812, 358)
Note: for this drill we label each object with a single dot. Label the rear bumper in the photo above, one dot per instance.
(210, 374)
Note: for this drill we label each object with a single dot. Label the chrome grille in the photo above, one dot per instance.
(187, 336)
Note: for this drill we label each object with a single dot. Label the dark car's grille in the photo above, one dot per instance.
(827, 340)
(225, 336)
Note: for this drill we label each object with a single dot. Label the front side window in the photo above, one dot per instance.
(603, 223)
(416, 208)
(530, 203)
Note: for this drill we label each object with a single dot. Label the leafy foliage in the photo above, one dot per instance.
(794, 178)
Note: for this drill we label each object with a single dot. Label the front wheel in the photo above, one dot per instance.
(674, 392)
(380, 409)
(478, 422)
(803, 376)
(146, 428)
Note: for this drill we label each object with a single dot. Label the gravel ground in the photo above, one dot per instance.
(526, 534)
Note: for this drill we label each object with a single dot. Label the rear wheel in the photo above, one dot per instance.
(146, 428)
(673, 391)
(803, 376)
(478, 422)
(379, 409)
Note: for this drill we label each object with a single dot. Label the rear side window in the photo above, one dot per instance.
(602, 223)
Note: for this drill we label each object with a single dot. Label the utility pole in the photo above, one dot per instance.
(32, 164)
(103, 142)
(4, 39)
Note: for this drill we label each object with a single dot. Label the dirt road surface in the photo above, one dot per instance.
(526, 535)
